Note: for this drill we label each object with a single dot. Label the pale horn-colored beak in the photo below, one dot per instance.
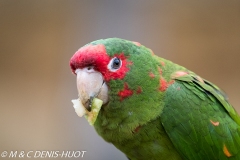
(90, 84)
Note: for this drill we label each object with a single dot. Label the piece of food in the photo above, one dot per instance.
(95, 108)
(81, 110)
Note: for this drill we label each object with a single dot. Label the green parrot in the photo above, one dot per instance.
(153, 108)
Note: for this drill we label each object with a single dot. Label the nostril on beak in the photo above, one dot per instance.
(90, 69)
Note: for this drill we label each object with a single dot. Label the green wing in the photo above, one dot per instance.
(199, 120)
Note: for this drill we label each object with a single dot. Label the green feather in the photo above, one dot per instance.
(215, 118)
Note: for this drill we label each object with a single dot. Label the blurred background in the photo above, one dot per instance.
(37, 39)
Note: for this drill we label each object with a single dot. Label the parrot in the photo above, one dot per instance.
(153, 108)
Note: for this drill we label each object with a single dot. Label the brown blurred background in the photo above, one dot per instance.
(37, 39)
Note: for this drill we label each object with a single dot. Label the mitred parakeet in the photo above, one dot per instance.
(153, 108)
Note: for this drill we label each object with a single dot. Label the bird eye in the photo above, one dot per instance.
(114, 64)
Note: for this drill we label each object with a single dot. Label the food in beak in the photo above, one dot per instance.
(91, 116)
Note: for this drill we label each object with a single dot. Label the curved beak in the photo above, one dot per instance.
(90, 84)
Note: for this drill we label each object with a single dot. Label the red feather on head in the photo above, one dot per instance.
(96, 56)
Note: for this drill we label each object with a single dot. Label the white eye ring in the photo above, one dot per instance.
(114, 64)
